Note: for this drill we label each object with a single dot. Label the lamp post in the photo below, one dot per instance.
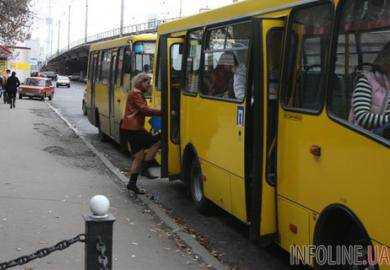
(122, 14)
(86, 21)
(69, 26)
(59, 32)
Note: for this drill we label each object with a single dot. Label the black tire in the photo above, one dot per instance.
(68, 85)
(102, 136)
(347, 234)
(20, 96)
(57, 85)
(84, 108)
(196, 187)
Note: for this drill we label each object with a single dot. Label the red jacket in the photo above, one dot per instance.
(136, 110)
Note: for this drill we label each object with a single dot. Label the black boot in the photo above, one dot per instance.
(145, 170)
(132, 184)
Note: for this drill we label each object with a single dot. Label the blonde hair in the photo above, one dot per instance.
(139, 79)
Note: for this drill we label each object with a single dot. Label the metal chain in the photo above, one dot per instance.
(102, 258)
(43, 252)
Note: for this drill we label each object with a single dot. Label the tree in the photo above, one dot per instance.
(15, 20)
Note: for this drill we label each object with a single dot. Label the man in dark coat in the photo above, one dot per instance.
(11, 88)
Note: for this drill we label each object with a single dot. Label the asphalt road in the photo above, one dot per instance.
(225, 237)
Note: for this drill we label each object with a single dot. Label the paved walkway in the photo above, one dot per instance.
(47, 176)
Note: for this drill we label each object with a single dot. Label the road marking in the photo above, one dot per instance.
(188, 239)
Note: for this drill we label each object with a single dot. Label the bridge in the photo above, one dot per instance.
(73, 59)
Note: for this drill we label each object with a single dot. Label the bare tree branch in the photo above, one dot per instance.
(15, 20)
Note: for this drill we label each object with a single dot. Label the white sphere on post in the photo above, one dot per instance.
(99, 206)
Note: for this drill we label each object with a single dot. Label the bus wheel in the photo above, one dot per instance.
(341, 230)
(84, 108)
(102, 136)
(196, 186)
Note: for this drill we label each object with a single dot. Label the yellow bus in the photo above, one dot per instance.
(112, 64)
(257, 99)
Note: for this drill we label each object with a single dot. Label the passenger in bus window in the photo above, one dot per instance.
(222, 76)
(371, 95)
(135, 134)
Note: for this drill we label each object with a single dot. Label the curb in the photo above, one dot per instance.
(188, 239)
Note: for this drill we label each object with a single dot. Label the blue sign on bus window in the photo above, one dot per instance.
(138, 48)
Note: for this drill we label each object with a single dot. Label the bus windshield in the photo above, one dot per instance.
(143, 57)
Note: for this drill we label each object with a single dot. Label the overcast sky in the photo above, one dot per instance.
(104, 15)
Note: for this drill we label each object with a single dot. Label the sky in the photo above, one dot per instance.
(103, 15)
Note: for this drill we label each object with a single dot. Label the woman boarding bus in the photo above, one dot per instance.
(283, 158)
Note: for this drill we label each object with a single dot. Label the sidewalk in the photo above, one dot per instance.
(46, 180)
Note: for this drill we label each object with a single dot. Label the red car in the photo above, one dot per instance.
(37, 87)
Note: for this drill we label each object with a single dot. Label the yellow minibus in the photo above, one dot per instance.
(112, 64)
(278, 112)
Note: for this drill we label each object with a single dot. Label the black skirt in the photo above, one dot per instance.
(140, 139)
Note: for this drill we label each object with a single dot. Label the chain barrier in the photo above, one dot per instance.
(102, 258)
(43, 252)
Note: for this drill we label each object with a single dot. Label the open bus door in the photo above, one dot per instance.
(170, 104)
(94, 78)
(267, 50)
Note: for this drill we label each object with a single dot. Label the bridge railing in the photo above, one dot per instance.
(150, 26)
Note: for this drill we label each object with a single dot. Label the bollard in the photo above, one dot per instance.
(98, 230)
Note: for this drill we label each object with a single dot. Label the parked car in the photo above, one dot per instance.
(37, 87)
(51, 74)
(74, 77)
(63, 81)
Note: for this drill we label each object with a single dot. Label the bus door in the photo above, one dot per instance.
(94, 78)
(303, 158)
(114, 130)
(174, 47)
(263, 214)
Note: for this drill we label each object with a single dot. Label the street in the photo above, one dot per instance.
(222, 235)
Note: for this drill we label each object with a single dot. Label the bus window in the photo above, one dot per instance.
(90, 66)
(175, 80)
(126, 68)
(120, 66)
(194, 45)
(226, 62)
(176, 62)
(99, 68)
(160, 55)
(360, 83)
(274, 50)
(105, 73)
(142, 58)
(308, 44)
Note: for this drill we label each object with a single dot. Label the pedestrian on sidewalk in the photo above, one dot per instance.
(4, 85)
(135, 134)
(11, 88)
